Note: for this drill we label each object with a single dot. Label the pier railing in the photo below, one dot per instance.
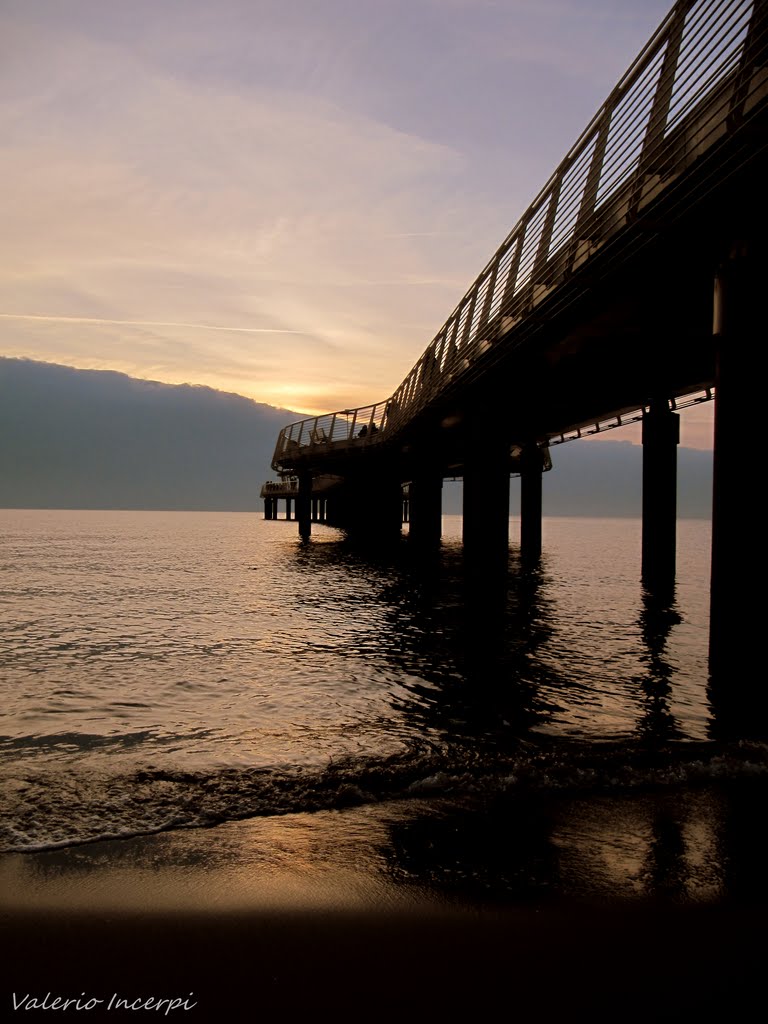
(360, 426)
(702, 75)
(288, 486)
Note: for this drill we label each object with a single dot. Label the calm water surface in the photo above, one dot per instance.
(168, 670)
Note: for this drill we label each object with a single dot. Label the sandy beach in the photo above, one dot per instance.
(300, 914)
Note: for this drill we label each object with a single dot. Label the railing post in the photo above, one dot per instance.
(513, 270)
(451, 347)
(485, 313)
(467, 332)
(754, 55)
(657, 122)
(592, 187)
(542, 252)
(662, 98)
(439, 352)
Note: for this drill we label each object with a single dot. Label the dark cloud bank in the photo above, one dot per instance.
(97, 439)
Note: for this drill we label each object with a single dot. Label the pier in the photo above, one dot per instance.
(630, 288)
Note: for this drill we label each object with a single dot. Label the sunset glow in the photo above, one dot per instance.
(271, 201)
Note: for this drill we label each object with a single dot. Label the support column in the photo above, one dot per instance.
(267, 508)
(374, 506)
(532, 465)
(739, 693)
(288, 505)
(369, 506)
(334, 510)
(661, 436)
(486, 508)
(486, 540)
(425, 506)
(304, 506)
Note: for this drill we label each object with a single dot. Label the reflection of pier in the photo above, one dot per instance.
(657, 618)
(630, 287)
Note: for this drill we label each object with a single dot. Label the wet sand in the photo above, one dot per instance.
(290, 916)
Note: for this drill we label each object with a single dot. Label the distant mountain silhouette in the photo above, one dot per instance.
(98, 439)
(588, 476)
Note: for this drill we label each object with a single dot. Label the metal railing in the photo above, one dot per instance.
(701, 76)
(288, 486)
(635, 416)
(285, 488)
(362, 426)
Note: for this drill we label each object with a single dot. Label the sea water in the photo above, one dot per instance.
(172, 670)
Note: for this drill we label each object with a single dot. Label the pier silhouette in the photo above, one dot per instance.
(629, 289)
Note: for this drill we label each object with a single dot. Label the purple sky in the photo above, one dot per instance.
(282, 199)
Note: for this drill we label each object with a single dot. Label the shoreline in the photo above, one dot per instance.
(289, 916)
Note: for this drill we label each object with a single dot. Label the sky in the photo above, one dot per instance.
(280, 198)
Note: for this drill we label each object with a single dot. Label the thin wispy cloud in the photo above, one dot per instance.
(145, 323)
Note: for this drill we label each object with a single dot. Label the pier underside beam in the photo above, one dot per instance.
(661, 436)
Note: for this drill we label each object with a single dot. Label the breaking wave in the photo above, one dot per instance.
(51, 809)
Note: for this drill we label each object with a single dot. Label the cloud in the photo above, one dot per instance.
(142, 323)
(320, 183)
